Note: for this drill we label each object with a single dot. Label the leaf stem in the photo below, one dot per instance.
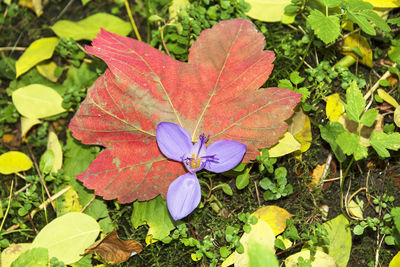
(8, 206)
(342, 183)
(128, 10)
(305, 53)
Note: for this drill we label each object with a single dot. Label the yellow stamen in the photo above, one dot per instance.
(193, 163)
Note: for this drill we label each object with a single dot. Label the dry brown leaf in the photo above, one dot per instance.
(113, 249)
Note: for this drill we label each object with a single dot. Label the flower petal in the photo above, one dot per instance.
(173, 141)
(183, 195)
(228, 154)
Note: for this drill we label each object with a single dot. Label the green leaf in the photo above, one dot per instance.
(295, 78)
(261, 255)
(381, 142)
(242, 180)
(155, 214)
(37, 51)
(267, 10)
(82, 77)
(369, 117)
(377, 20)
(227, 189)
(37, 257)
(339, 236)
(355, 102)
(350, 144)
(358, 230)
(327, 28)
(37, 101)
(89, 27)
(329, 133)
(395, 212)
(46, 161)
(68, 236)
(13, 162)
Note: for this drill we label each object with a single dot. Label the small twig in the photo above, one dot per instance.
(88, 204)
(258, 195)
(290, 248)
(377, 251)
(326, 168)
(49, 200)
(209, 193)
(374, 87)
(22, 189)
(20, 175)
(12, 48)
(162, 40)
(64, 9)
(128, 10)
(41, 177)
(8, 206)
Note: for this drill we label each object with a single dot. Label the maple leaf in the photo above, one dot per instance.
(214, 92)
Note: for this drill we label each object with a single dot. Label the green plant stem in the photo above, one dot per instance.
(342, 184)
(305, 53)
(128, 10)
(8, 206)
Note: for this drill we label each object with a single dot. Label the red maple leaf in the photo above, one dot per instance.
(216, 92)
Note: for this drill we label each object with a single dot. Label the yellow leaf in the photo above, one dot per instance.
(275, 217)
(38, 51)
(305, 135)
(11, 253)
(397, 116)
(395, 262)
(267, 10)
(334, 107)
(230, 260)
(35, 5)
(54, 145)
(27, 124)
(360, 42)
(296, 122)
(355, 210)
(149, 239)
(37, 101)
(262, 233)
(384, 3)
(286, 145)
(14, 161)
(317, 174)
(366, 132)
(70, 201)
(47, 70)
(388, 98)
(320, 259)
(176, 6)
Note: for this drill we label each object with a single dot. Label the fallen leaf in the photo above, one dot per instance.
(304, 136)
(155, 214)
(352, 127)
(334, 107)
(113, 249)
(47, 70)
(27, 124)
(388, 98)
(320, 259)
(54, 145)
(267, 10)
(89, 27)
(339, 236)
(11, 141)
(286, 145)
(355, 210)
(384, 3)
(357, 41)
(69, 202)
(317, 174)
(37, 51)
(67, 236)
(144, 87)
(37, 101)
(395, 262)
(261, 233)
(260, 255)
(396, 116)
(35, 5)
(11, 253)
(37, 257)
(275, 217)
(13, 162)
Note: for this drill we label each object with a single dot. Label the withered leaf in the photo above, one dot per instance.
(113, 249)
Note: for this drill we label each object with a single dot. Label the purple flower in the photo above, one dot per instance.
(175, 143)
